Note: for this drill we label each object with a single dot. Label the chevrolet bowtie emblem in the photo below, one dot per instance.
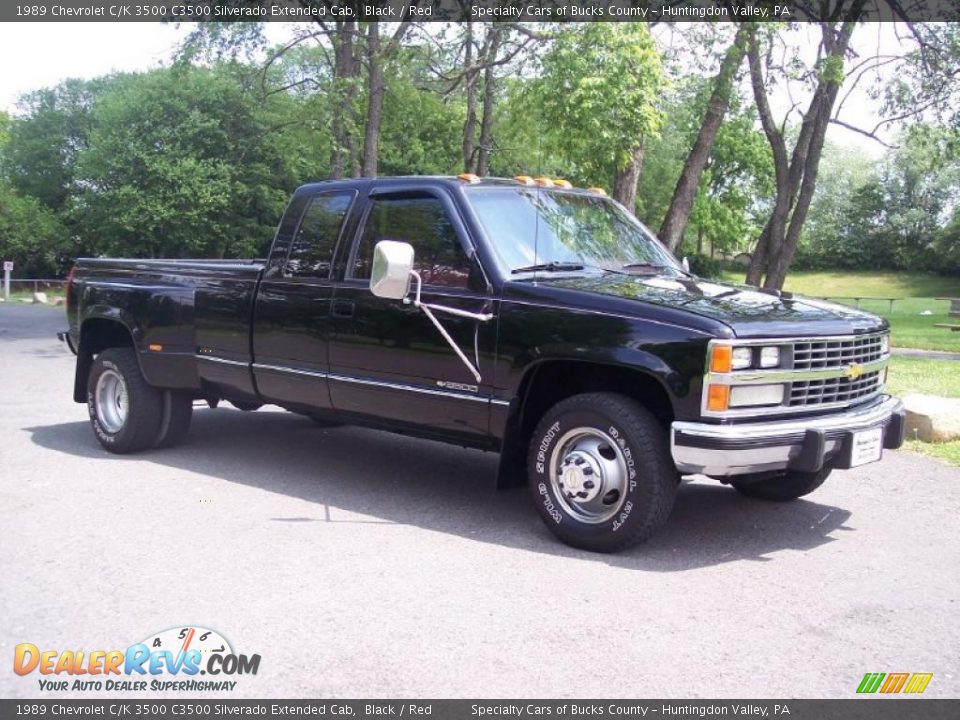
(853, 371)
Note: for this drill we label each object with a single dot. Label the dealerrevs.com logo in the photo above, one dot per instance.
(170, 660)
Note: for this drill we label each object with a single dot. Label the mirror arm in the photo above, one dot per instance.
(428, 309)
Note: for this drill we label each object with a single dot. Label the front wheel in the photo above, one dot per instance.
(782, 487)
(125, 411)
(600, 472)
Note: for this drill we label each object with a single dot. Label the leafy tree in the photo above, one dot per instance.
(671, 231)
(43, 145)
(431, 144)
(921, 188)
(180, 162)
(947, 246)
(30, 234)
(597, 101)
(843, 225)
(4, 129)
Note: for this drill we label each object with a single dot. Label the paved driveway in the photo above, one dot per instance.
(358, 563)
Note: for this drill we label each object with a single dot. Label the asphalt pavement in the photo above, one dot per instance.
(362, 564)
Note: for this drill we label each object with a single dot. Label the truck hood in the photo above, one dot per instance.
(748, 311)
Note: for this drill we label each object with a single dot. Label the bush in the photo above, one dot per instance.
(705, 266)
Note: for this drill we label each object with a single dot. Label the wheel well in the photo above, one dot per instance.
(96, 335)
(550, 382)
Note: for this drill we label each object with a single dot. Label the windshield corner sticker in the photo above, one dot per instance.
(156, 663)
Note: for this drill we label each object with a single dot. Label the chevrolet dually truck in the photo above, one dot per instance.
(520, 316)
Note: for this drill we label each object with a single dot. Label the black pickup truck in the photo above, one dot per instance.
(520, 316)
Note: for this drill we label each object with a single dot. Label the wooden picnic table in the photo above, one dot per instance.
(954, 306)
(954, 312)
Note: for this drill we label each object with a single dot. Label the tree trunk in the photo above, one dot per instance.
(778, 265)
(785, 226)
(671, 231)
(494, 38)
(375, 91)
(470, 89)
(344, 76)
(625, 180)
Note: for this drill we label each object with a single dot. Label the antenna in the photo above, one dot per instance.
(536, 215)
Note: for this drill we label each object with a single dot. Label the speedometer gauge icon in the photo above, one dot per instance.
(182, 639)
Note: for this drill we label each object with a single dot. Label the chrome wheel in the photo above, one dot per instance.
(112, 401)
(589, 475)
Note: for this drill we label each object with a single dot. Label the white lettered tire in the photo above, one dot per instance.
(600, 472)
(125, 412)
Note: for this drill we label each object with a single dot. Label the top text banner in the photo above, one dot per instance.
(480, 10)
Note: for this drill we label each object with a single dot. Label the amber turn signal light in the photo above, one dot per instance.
(721, 359)
(718, 397)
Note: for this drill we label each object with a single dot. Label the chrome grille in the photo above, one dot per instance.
(834, 390)
(835, 353)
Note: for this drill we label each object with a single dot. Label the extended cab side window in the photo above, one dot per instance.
(311, 252)
(418, 219)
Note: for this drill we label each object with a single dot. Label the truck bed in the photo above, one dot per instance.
(178, 312)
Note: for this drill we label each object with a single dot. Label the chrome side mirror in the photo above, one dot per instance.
(392, 265)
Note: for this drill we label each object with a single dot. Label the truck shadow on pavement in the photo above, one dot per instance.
(442, 488)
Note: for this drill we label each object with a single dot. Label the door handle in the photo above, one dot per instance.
(343, 308)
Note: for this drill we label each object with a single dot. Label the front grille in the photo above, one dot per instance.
(825, 372)
(835, 353)
(834, 390)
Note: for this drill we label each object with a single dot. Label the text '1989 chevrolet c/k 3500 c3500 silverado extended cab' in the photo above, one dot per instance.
(520, 316)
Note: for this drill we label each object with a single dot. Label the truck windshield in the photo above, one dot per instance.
(537, 230)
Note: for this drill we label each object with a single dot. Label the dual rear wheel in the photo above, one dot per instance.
(126, 413)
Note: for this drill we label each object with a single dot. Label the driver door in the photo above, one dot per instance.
(387, 360)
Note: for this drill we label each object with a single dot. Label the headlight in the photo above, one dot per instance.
(726, 358)
(742, 358)
(884, 344)
(769, 357)
(752, 395)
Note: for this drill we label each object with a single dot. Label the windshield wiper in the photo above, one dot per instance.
(550, 267)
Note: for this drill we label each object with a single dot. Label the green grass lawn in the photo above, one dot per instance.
(909, 326)
(948, 452)
(930, 377)
(866, 284)
(919, 375)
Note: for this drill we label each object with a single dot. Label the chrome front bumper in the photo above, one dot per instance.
(806, 444)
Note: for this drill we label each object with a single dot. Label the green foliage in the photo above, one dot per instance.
(43, 146)
(705, 266)
(30, 234)
(180, 162)
(421, 132)
(892, 213)
(946, 245)
(4, 128)
(726, 214)
(597, 96)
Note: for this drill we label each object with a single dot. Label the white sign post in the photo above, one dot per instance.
(7, 269)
